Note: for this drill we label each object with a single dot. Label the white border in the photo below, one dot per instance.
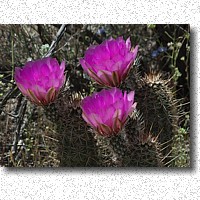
(90, 183)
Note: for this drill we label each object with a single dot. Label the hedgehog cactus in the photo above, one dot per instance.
(158, 106)
(76, 144)
(119, 134)
(93, 120)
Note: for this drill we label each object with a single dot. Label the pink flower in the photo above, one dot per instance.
(40, 80)
(109, 63)
(106, 111)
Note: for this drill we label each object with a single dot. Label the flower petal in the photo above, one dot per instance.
(128, 43)
(107, 111)
(37, 78)
(110, 56)
(105, 77)
(104, 130)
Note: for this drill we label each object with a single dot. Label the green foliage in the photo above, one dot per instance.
(44, 49)
(180, 149)
(151, 26)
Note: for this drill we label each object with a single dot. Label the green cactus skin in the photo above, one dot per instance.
(130, 147)
(145, 141)
(112, 151)
(144, 148)
(156, 103)
(157, 106)
(76, 143)
(148, 154)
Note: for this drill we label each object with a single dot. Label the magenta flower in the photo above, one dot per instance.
(40, 80)
(109, 63)
(106, 111)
